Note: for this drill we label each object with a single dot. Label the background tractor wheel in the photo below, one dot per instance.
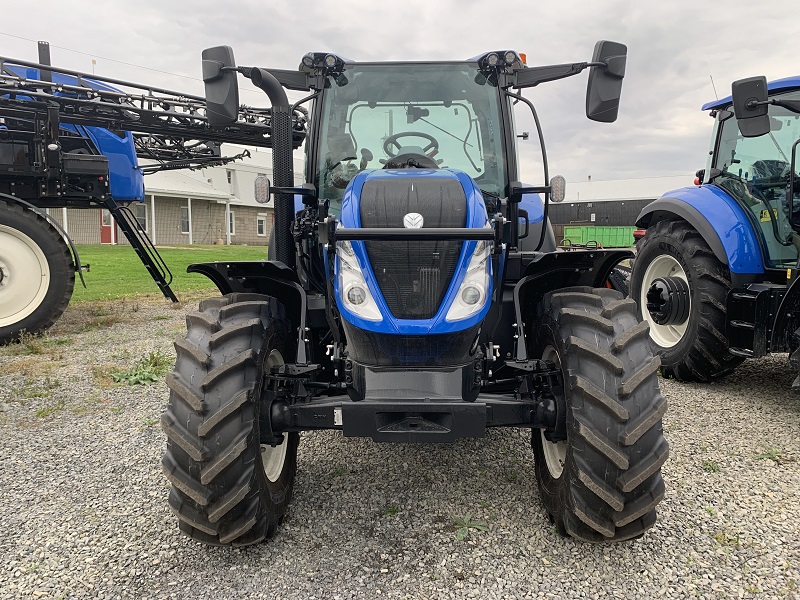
(681, 289)
(227, 488)
(603, 482)
(37, 274)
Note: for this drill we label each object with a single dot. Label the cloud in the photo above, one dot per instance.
(674, 50)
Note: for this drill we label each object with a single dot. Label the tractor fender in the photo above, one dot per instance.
(271, 278)
(724, 225)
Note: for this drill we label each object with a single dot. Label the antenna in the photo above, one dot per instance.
(713, 86)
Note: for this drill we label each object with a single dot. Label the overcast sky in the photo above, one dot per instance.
(674, 48)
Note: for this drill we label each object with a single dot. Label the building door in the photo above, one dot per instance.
(106, 227)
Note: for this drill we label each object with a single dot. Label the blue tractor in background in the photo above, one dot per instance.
(716, 274)
(415, 294)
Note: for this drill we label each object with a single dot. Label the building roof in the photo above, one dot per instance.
(183, 184)
(645, 188)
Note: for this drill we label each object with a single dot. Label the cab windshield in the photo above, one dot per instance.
(755, 171)
(410, 116)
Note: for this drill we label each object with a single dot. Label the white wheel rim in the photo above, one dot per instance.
(664, 265)
(274, 458)
(25, 276)
(555, 453)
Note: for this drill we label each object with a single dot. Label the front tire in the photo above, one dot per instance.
(691, 342)
(603, 482)
(37, 275)
(227, 488)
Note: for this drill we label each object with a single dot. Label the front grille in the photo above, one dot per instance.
(413, 276)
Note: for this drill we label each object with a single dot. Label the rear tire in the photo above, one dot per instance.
(227, 488)
(37, 275)
(603, 483)
(695, 349)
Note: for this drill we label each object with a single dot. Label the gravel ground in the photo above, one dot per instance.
(84, 514)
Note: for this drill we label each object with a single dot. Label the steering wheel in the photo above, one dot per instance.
(770, 173)
(392, 141)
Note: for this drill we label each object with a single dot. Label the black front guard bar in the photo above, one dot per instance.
(330, 233)
(406, 420)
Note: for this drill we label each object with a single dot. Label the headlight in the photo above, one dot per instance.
(353, 289)
(474, 290)
(471, 295)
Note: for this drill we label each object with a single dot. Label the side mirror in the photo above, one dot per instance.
(261, 189)
(222, 91)
(750, 107)
(605, 83)
(558, 189)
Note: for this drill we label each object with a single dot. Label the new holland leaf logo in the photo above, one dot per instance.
(413, 221)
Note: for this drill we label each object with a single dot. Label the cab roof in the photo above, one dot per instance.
(779, 85)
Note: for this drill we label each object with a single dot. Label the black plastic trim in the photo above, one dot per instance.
(272, 278)
(423, 234)
(667, 207)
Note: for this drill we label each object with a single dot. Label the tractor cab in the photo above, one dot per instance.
(410, 116)
(755, 169)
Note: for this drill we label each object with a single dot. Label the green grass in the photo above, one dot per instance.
(770, 453)
(463, 526)
(150, 368)
(116, 271)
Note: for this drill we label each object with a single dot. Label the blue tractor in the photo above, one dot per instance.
(715, 274)
(415, 294)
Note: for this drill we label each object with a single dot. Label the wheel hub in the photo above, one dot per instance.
(555, 452)
(274, 457)
(24, 276)
(668, 300)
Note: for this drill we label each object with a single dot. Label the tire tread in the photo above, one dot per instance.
(703, 354)
(611, 481)
(219, 490)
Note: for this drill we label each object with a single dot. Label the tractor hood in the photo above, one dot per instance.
(415, 286)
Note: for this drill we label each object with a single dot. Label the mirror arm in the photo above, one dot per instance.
(753, 103)
(307, 189)
(791, 105)
(533, 76)
(523, 99)
(613, 66)
(305, 99)
(213, 70)
(518, 190)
